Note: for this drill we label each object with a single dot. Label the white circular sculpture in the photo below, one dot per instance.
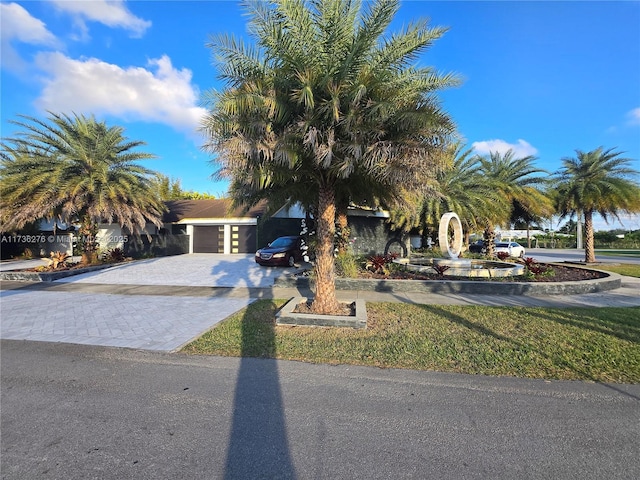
(452, 249)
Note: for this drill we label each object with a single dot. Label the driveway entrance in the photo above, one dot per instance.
(161, 320)
(197, 269)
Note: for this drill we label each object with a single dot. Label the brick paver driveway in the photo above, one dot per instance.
(148, 321)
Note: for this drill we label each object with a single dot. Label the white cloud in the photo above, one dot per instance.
(112, 13)
(520, 149)
(161, 94)
(634, 116)
(19, 26)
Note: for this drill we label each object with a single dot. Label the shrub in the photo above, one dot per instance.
(346, 265)
(113, 256)
(57, 259)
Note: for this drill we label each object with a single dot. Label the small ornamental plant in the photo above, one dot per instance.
(440, 269)
(502, 256)
(57, 259)
(380, 263)
(114, 255)
(534, 269)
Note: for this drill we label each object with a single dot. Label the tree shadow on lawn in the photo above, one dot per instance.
(483, 330)
(616, 323)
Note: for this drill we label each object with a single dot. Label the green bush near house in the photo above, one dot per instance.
(347, 265)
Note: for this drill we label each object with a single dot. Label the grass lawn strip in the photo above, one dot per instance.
(597, 344)
(630, 270)
(625, 253)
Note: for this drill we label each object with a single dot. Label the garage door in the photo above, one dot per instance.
(208, 239)
(243, 238)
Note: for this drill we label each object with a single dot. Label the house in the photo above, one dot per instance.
(212, 226)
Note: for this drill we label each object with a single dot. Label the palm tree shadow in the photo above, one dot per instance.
(621, 328)
(498, 336)
(258, 444)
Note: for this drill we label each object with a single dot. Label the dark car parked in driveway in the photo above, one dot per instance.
(283, 251)
(478, 247)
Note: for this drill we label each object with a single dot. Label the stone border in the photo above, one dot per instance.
(22, 276)
(286, 316)
(611, 282)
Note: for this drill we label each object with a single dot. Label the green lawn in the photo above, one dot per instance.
(621, 253)
(628, 269)
(598, 344)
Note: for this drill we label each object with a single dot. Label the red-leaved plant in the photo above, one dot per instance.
(502, 256)
(440, 269)
(534, 267)
(378, 263)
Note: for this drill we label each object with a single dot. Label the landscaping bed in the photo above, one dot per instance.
(47, 274)
(556, 273)
(557, 280)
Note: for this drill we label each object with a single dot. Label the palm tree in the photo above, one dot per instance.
(599, 181)
(75, 169)
(514, 180)
(458, 187)
(325, 98)
(532, 213)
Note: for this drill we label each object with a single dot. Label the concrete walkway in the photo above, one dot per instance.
(161, 304)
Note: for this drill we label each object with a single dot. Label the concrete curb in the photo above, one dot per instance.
(611, 282)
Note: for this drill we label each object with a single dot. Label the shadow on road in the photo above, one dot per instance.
(258, 443)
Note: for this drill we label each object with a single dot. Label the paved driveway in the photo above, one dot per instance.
(198, 269)
(151, 322)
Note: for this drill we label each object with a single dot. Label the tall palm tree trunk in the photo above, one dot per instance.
(589, 245)
(490, 237)
(87, 241)
(325, 301)
(342, 222)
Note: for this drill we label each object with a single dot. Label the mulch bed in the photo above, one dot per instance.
(560, 274)
(45, 269)
(344, 309)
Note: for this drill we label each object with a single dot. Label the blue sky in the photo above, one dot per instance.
(544, 77)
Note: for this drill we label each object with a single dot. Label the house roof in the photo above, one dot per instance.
(218, 208)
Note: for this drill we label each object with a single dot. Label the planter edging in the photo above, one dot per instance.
(286, 316)
(610, 282)
(22, 276)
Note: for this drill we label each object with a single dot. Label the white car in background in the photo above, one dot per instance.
(514, 249)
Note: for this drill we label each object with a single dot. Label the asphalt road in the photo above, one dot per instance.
(79, 412)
